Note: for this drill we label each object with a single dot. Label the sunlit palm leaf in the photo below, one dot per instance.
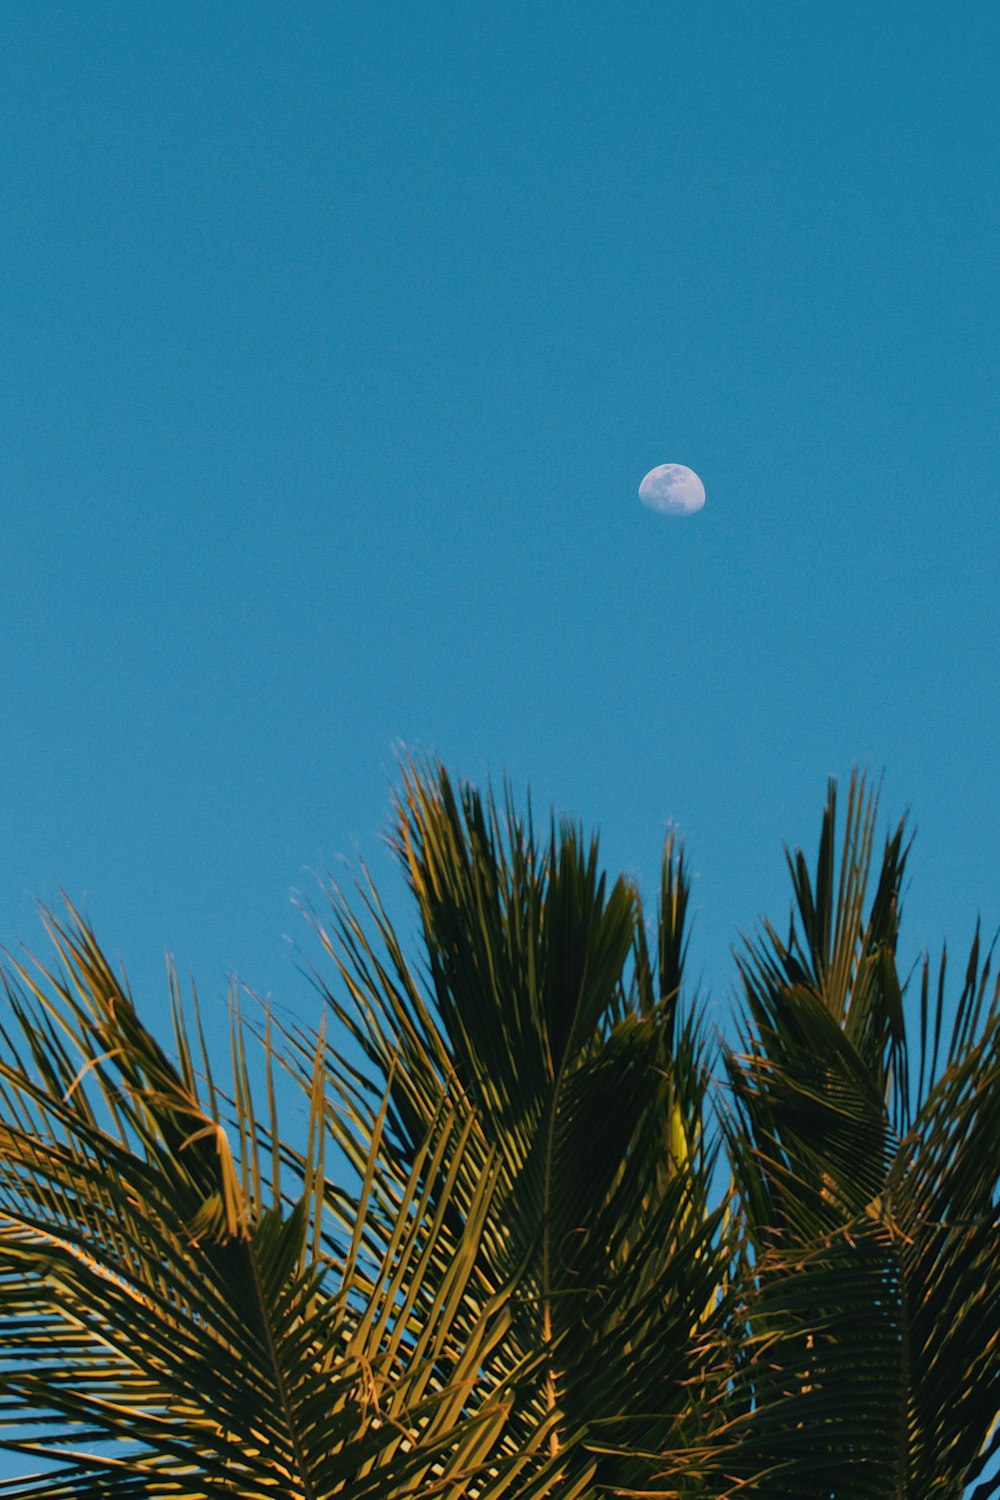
(176, 1335)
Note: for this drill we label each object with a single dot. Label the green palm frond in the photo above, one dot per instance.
(540, 1010)
(179, 1326)
(868, 1199)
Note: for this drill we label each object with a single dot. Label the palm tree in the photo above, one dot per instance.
(498, 1263)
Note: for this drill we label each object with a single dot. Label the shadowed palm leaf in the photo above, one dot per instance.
(868, 1198)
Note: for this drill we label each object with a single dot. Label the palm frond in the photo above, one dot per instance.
(173, 1325)
(540, 1010)
(868, 1200)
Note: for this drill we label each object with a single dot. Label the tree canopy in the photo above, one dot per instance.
(542, 1235)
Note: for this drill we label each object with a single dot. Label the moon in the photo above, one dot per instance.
(673, 490)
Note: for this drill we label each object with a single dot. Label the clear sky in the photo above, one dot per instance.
(336, 341)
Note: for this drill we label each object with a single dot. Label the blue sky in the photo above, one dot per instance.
(336, 341)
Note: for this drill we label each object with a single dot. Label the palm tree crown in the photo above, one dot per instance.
(503, 1260)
